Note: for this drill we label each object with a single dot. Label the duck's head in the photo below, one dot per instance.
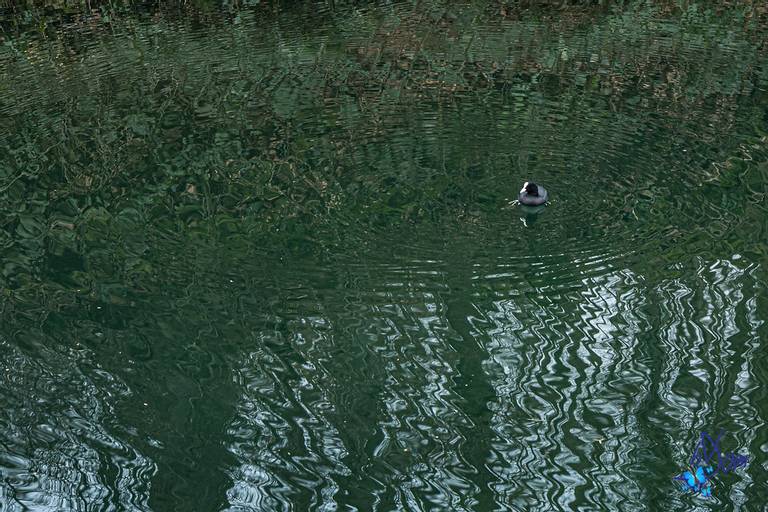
(531, 189)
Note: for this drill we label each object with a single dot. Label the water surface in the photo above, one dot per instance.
(268, 257)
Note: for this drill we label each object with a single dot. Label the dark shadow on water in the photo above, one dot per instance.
(471, 382)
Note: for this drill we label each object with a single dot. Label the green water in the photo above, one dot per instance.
(267, 257)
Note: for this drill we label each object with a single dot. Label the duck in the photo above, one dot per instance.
(532, 194)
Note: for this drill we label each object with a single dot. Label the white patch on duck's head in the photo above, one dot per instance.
(530, 188)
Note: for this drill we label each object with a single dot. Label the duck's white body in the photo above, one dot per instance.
(530, 200)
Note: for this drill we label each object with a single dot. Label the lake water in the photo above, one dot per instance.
(264, 257)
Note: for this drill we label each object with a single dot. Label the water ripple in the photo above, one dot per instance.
(262, 257)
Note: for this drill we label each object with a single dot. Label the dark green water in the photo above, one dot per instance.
(267, 257)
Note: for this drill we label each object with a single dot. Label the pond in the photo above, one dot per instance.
(268, 257)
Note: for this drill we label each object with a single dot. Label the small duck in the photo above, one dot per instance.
(532, 194)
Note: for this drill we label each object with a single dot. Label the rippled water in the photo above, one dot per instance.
(268, 257)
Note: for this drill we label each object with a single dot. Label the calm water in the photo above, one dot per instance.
(268, 258)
